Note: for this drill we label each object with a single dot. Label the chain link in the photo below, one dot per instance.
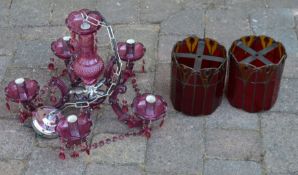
(95, 22)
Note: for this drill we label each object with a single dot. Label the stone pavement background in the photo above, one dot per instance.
(228, 142)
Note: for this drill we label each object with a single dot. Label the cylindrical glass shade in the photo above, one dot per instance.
(198, 74)
(256, 66)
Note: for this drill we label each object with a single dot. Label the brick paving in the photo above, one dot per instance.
(228, 142)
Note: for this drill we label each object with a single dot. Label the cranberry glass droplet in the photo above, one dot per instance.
(7, 106)
(51, 66)
(62, 156)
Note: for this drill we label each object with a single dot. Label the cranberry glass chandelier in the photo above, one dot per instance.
(91, 83)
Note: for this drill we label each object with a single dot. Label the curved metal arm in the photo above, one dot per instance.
(120, 89)
(125, 117)
(55, 81)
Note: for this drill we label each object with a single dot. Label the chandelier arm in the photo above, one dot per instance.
(122, 116)
(57, 82)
